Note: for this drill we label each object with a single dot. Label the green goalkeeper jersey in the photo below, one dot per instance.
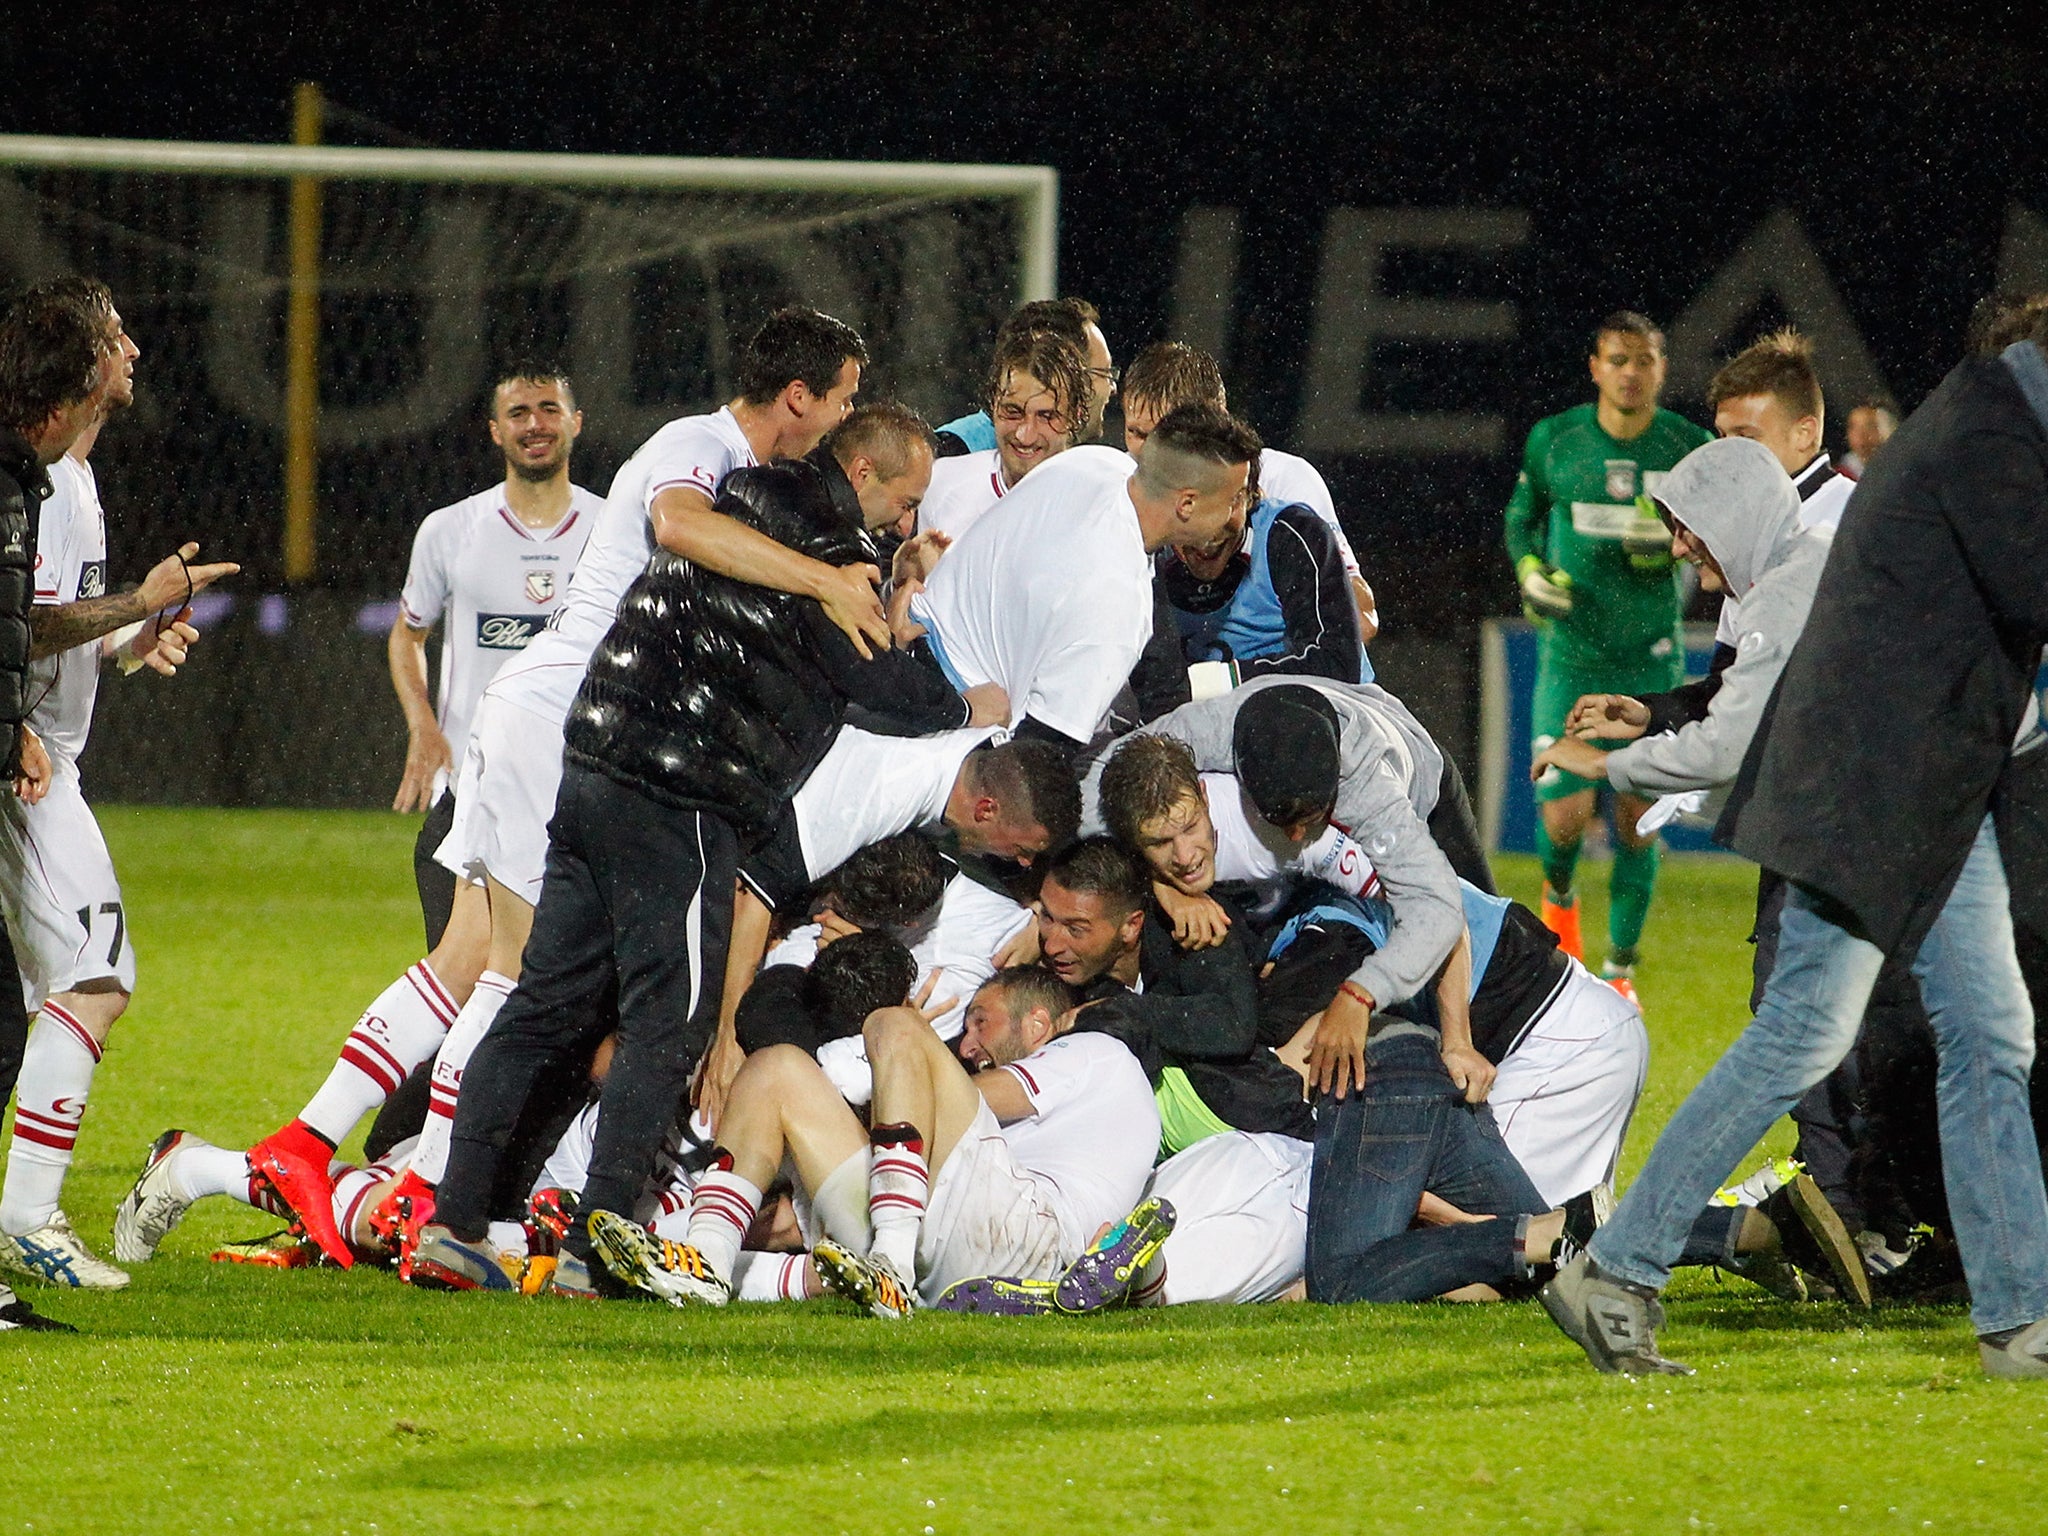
(1573, 501)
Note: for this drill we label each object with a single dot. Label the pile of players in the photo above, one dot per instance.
(1048, 914)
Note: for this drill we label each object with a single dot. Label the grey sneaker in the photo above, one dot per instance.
(572, 1279)
(2023, 1357)
(1614, 1322)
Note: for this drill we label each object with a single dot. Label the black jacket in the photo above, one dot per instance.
(23, 486)
(716, 695)
(1895, 716)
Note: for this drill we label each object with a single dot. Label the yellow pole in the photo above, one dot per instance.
(302, 352)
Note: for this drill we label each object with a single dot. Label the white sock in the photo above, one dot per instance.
(722, 1209)
(49, 1105)
(898, 1184)
(430, 1157)
(1149, 1290)
(672, 1216)
(352, 1188)
(198, 1170)
(768, 1277)
(401, 1029)
(839, 1210)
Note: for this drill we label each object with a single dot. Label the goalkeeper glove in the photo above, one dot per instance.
(1546, 591)
(1646, 541)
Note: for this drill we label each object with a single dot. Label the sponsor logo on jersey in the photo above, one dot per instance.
(540, 586)
(92, 579)
(507, 631)
(1621, 479)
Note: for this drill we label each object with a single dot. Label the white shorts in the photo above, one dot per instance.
(1240, 1204)
(511, 771)
(1567, 1090)
(987, 1216)
(57, 888)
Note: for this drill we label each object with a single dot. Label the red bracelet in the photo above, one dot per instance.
(1359, 994)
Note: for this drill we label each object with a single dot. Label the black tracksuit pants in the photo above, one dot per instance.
(634, 891)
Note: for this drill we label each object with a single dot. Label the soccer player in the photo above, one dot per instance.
(1597, 577)
(1010, 1170)
(1053, 600)
(1172, 373)
(1074, 321)
(667, 768)
(57, 884)
(1038, 391)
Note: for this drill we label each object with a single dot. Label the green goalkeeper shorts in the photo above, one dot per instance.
(1560, 685)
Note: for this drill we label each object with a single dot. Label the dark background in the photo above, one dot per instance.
(1643, 144)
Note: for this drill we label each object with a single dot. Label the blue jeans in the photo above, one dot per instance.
(1409, 1130)
(1984, 1027)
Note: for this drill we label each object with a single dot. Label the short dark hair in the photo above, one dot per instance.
(1145, 778)
(888, 883)
(1056, 362)
(51, 342)
(1104, 867)
(1205, 433)
(792, 344)
(1030, 779)
(854, 976)
(1629, 322)
(532, 370)
(1172, 373)
(1779, 365)
(2000, 319)
(1025, 987)
(1067, 318)
(884, 432)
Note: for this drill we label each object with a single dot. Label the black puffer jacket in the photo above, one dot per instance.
(23, 485)
(712, 694)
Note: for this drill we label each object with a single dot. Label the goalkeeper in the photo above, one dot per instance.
(1597, 577)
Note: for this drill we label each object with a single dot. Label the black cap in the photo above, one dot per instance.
(1285, 746)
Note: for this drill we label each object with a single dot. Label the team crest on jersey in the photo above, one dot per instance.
(1621, 479)
(92, 579)
(540, 586)
(506, 631)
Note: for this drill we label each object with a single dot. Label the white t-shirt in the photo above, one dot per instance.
(1053, 600)
(71, 564)
(1291, 479)
(963, 487)
(1092, 1133)
(1819, 507)
(1250, 848)
(694, 451)
(869, 787)
(959, 941)
(496, 581)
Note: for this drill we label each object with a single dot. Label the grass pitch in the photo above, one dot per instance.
(217, 1398)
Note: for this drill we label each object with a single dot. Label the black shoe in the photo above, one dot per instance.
(19, 1314)
(1584, 1215)
(1814, 1238)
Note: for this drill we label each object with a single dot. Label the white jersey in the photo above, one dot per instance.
(71, 565)
(1250, 848)
(958, 940)
(962, 489)
(1092, 1133)
(496, 581)
(869, 787)
(1823, 495)
(694, 451)
(1292, 480)
(1052, 600)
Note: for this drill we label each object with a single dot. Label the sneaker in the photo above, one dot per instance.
(1761, 1185)
(1562, 919)
(996, 1296)
(302, 1183)
(149, 1210)
(572, 1280)
(2021, 1355)
(54, 1252)
(1584, 1214)
(1828, 1248)
(444, 1262)
(18, 1314)
(675, 1272)
(280, 1250)
(1881, 1259)
(1102, 1276)
(1614, 1322)
(865, 1279)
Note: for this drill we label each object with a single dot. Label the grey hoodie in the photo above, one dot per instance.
(1736, 498)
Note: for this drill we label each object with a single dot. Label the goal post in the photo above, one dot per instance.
(639, 273)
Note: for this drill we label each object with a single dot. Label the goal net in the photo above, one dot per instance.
(638, 274)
